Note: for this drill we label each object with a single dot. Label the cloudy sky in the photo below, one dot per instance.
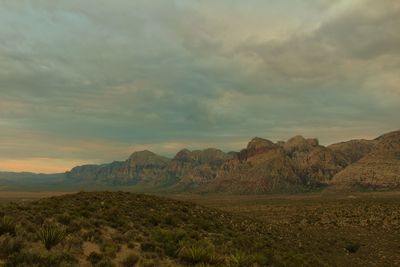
(94, 80)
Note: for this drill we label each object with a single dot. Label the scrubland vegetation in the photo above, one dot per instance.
(125, 229)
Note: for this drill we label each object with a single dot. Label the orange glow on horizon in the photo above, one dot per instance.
(38, 165)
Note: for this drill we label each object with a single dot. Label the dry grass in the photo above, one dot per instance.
(337, 229)
(161, 231)
(342, 229)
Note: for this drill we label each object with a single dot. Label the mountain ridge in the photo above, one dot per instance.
(262, 167)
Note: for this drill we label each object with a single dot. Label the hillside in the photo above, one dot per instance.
(107, 229)
(263, 166)
(378, 169)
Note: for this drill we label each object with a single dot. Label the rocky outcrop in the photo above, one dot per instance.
(263, 166)
(194, 168)
(140, 167)
(299, 144)
(378, 169)
(260, 168)
(353, 150)
(314, 164)
(255, 147)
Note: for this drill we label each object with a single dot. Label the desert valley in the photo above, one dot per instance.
(293, 203)
(177, 133)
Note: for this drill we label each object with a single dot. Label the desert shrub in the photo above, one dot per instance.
(94, 258)
(119, 238)
(292, 259)
(148, 246)
(170, 240)
(199, 252)
(28, 259)
(352, 247)
(74, 226)
(240, 259)
(9, 245)
(7, 226)
(150, 263)
(109, 249)
(131, 260)
(171, 220)
(93, 235)
(51, 235)
(64, 219)
(73, 243)
(105, 262)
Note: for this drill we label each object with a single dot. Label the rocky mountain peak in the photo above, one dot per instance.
(260, 143)
(146, 157)
(300, 144)
(389, 141)
(255, 147)
(184, 155)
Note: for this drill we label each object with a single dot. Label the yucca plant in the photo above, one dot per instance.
(239, 259)
(7, 226)
(51, 235)
(198, 253)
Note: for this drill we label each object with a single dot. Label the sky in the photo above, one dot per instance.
(91, 81)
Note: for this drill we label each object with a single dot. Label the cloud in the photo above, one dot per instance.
(94, 80)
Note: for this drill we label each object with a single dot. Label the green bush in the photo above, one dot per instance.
(131, 260)
(105, 262)
(352, 247)
(148, 246)
(28, 259)
(9, 245)
(7, 226)
(51, 236)
(94, 258)
(240, 259)
(199, 252)
(110, 249)
(170, 240)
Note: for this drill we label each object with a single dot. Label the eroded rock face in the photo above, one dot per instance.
(314, 164)
(194, 168)
(378, 169)
(140, 167)
(299, 144)
(260, 168)
(255, 147)
(354, 150)
(318, 165)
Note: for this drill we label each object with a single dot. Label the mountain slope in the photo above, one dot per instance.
(354, 150)
(140, 167)
(314, 164)
(378, 169)
(194, 168)
(262, 167)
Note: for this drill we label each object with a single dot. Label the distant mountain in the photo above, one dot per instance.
(195, 168)
(377, 169)
(262, 167)
(28, 180)
(298, 164)
(141, 167)
(354, 150)
(187, 169)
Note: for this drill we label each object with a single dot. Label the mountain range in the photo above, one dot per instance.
(262, 167)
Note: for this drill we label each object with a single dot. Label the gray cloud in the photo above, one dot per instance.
(98, 76)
